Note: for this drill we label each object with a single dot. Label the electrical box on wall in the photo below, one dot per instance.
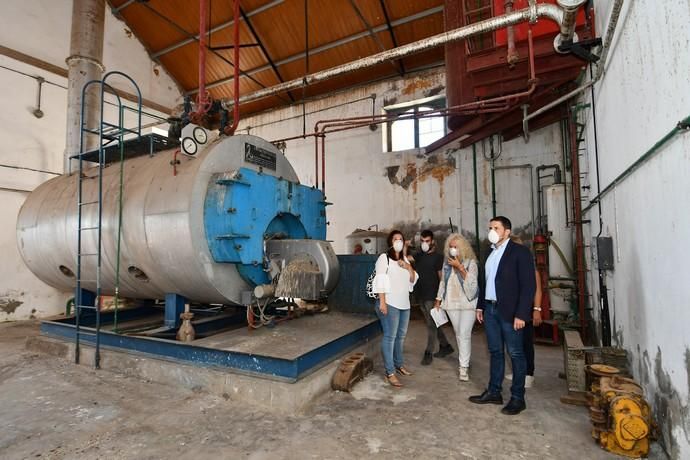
(604, 256)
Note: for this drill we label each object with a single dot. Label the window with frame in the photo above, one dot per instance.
(410, 131)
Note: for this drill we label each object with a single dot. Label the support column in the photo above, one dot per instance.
(174, 307)
(83, 65)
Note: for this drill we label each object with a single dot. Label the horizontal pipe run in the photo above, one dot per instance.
(682, 126)
(530, 14)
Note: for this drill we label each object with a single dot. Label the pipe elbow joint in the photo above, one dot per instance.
(571, 4)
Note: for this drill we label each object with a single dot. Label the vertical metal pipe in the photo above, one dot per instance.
(323, 164)
(577, 220)
(493, 187)
(236, 67)
(316, 160)
(476, 200)
(513, 55)
(203, 29)
(83, 65)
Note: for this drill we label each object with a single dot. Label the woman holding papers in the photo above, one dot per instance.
(395, 278)
(457, 295)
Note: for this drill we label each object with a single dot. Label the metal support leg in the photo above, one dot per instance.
(174, 307)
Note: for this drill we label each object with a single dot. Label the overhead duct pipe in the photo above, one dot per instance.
(570, 9)
(529, 14)
(83, 65)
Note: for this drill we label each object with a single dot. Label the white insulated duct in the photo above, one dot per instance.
(564, 15)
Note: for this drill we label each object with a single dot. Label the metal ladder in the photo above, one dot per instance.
(108, 134)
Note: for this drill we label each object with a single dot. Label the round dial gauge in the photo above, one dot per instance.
(200, 135)
(189, 146)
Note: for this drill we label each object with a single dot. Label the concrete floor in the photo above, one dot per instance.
(50, 408)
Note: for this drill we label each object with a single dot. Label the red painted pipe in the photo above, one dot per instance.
(236, 65)
(577, 217)
(202, 99)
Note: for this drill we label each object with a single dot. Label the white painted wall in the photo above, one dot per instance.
(41, 28)
(357, 179)
(643, 95)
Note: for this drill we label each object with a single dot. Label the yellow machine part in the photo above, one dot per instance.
(630, 428)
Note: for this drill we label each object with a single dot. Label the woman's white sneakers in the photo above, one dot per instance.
(464, 374)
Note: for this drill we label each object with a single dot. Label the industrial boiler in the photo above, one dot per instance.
(210, 224)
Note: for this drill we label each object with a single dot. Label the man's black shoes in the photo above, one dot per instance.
(444, 351)
(514, 407)
(487, 398)
(427, 359)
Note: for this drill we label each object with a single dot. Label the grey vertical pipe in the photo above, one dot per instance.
(531, 186)
(83, 65)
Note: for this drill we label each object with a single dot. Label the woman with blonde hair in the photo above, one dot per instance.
(457, 295)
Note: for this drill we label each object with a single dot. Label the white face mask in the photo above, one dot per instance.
(425, 246)
(493, 236)
(453, 252)
(398, 246)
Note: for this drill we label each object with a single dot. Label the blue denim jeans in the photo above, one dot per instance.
(394, 325)
(498, 333)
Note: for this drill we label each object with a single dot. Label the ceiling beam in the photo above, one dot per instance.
(216, 53)
(117, 10)
(220, 26)
(328, 46)
(374, 35)
(392, 34)
(260, 42)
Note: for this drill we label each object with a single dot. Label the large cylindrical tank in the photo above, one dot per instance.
(163, 247)
(560, 247)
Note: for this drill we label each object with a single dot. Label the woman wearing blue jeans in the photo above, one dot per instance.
(395, 279)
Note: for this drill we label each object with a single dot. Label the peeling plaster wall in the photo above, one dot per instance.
(409, 190)
(41, 28)
(643, 95)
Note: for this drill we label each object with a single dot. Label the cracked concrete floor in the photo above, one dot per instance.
(50, 408)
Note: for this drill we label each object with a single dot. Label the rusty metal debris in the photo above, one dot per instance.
(352, 369)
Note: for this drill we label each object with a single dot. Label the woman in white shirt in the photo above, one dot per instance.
(457, 295)
(395, 279)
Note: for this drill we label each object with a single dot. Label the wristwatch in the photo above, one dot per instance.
(536, 308)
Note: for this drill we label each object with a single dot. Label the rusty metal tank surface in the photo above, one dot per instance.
(164, 247)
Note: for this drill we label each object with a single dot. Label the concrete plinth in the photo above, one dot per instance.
(283, 397)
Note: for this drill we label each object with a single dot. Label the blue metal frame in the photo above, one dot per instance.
(245, 363)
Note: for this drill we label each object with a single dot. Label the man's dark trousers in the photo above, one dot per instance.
(498, 333)
(432, 331)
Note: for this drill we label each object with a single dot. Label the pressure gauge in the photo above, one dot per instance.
(189, 146)
(200, 135)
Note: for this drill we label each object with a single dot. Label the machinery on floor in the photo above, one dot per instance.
(621, 417)
(210, 225)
